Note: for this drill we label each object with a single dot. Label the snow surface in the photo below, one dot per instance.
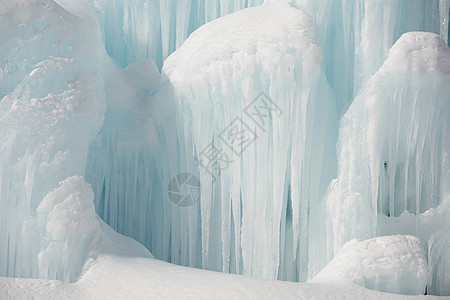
(125, 277)
(395, 264)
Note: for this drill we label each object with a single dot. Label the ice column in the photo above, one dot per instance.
(139, 29)
(51, 107)
(260, 205)
(393, 143)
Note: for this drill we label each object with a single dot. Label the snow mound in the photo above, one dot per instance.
(433, 228)
(71, 228)
(394, 264)
(71, 235)
(418, 52)
(128, 277)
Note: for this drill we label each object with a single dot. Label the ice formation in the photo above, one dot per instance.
(51, 107)
(134, 30)
(260, 186)
(394, 264)
(394, 143)
(71, 227)
(83, 104)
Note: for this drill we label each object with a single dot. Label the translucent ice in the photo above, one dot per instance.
(393, 142)
(357, 35)
(266, 184)
(52, 106)
(135, 30)
(276, 71)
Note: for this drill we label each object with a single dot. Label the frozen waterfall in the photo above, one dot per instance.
(294, 127)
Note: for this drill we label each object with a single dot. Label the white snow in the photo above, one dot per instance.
(131, 277)
(394, 264)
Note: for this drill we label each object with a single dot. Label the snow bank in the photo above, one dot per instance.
(394, 264)
(433, 228)
(379, 263)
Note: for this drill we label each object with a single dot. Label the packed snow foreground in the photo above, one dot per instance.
(79, 136)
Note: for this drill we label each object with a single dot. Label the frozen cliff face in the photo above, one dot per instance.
(255, 114)
(393, 144)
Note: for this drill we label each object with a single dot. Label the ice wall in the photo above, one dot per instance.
(275, 71)
(61, 98)
(141, 29)
(134, 200)
(393, 144)
(51, 107)
(357, 35)
(444, 9)
(125, 166)
(257, 211)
